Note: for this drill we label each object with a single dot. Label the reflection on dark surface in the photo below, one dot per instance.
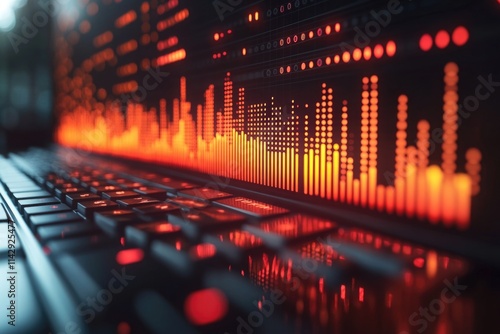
(431, 295)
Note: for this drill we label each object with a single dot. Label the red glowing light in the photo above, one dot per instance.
(356, 55)
(460, 35)
(346, 56)
(390, 48)
(205, 306)
(425, 42)
(367, 53)
(129, 256)
(378, 51)
(123, 328)
(419, 262)
(216, 36)
(337, 27)
(442, 39)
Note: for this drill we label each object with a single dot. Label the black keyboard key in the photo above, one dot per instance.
(251, 207)
(182, 257)
(118, 194)
(189, 203)
(104, 188)
(62, 192)
(113, 222)
(204, 193)
(126, 183)
(64, 231)
(235, 244)
(172, 185)
(279, 231)
(41, 209)
(73, 199)
(136, 201)
(24, 188)
(38, 201)
(87, 208)
(54, 218)
(32, 194)
(158, 193)
(157, 210)
(141, 235)
(76, 244)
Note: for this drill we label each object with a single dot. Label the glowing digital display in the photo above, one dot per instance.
(277, 109)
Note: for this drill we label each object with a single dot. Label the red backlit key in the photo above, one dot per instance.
(171, 185)
(141, 235)
(204, 193)
(235, 244)
(87, 208)
(73, 199)
(158, 193)
(136, 201)
(279, 231)
(113, 222)
(156, 210)
(187, 202)
(62, 192)
(104, 188)
(251, 207)
(118, 194)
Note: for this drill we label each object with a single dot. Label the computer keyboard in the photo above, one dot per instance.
(140, 252)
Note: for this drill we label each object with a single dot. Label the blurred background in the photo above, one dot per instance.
(25, 73)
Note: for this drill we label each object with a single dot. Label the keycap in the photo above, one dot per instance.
(251, 207)
(125, 183)
(118, 194)
(73, 199)
(157, 210)
(291, 228)
(41, 209)
(62, 231)
(141, 235)
(54, 218)
(204, 193)
(151, 192)
(114, 221)
(4, 217)
(62, 192)
(136, 201)
(24, 188)
(103, 188)
(76, 244)
(182, 257)
(87, 208)
(189, 203)
(38, 201)
(31, 194)
(171, 185)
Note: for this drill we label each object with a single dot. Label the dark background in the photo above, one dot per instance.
(25, 78)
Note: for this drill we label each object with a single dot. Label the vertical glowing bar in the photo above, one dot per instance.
(355, 191)
(380, 197)
(322, 170)
(448, 199)
(306, 173)
(311, 172)
(434, 184)
(283, 169)
(329, 180)
(336, 171)
(316, 175)
(350, 175)
(399, 182)
(279, 173)
(272, 169)
(342, 186)
(411, 180)
(363, 188)
(423, 155)
(372, 186)
(296, 172)
(463, 189)
(389, 199)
